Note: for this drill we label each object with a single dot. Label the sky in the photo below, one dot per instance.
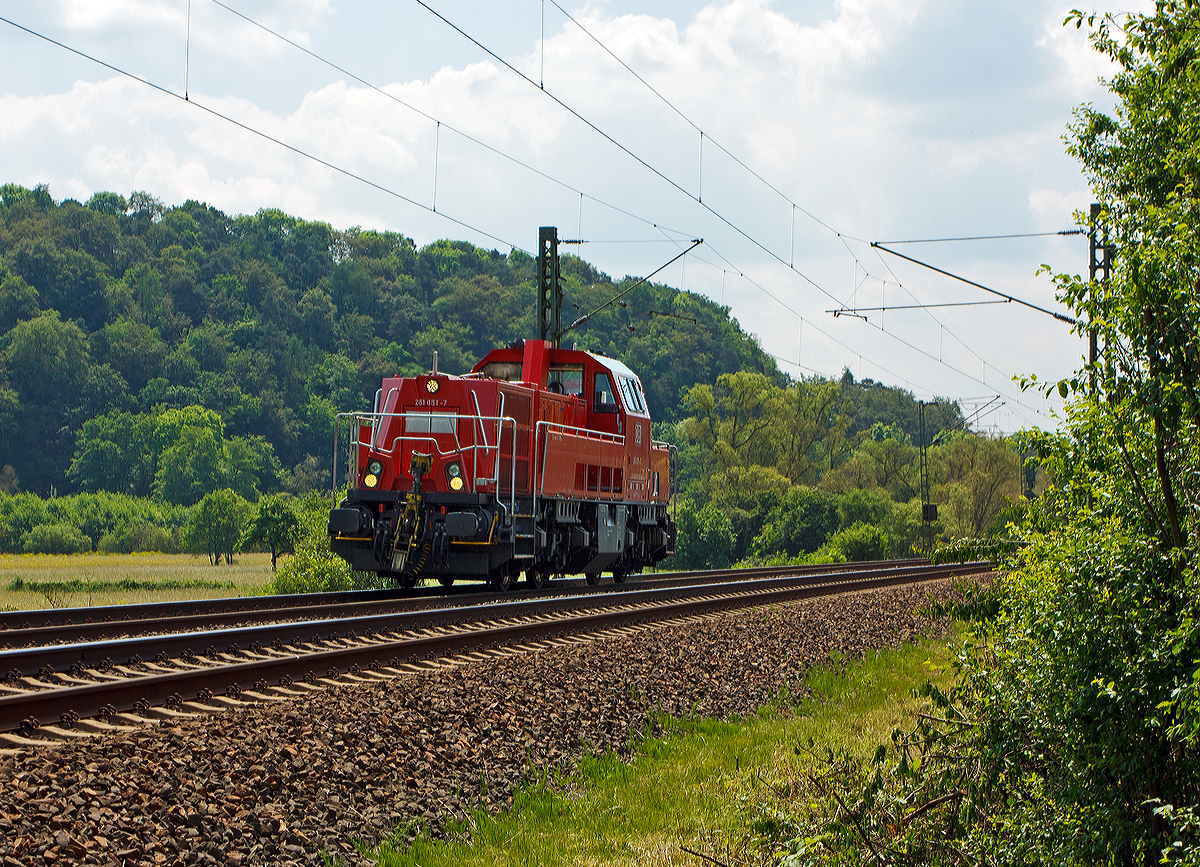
(787, 134)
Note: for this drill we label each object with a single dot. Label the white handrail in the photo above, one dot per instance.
(375, 419)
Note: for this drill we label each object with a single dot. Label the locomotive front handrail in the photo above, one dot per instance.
(376, 419)
(383, 408)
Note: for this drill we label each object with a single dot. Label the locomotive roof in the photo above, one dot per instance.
(548, 357)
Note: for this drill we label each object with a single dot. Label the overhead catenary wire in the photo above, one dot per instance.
(441, 124)
(257, 132)
(989, 237)
(791, 258)
(977, 379)
(293, 148)
(626, 150)
(1059, 316)
(855, 311)
(692, 123)
(790, 264)
(585, 317)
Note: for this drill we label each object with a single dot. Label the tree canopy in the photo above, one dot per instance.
(118, 310)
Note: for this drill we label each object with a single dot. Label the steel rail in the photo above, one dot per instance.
(30, 661)
(82, 624)
(88, 700)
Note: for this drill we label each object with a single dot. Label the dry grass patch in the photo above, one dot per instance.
(39, 581)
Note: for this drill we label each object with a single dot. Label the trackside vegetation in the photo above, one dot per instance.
(721, 788)
(1072, 734)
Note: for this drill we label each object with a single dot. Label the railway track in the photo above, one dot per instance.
(62, 625)
(65, 691)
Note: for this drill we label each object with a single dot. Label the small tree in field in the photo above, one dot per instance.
(216, 525)
(274, 525)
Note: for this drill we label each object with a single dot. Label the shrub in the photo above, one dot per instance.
(860, 542)
(705, 538)
(139, 537)
(863, 506)
(801, 523)
(312, 567)
(55, 539)
(19, 514)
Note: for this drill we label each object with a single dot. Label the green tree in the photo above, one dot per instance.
(190, 468)
(18, 300)
(55, 539)
(116, 452)
(735, 420)
(799, 524)
(1074, 737)
(705, 538)
(46, 358)
(215, 525)
(975, 477)
(273, 524)
(133, 349)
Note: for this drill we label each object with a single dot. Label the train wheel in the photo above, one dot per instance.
(535, 579)
(619, 576)
(593, 578)
(408, 581)
(446, 580)
(503, 582)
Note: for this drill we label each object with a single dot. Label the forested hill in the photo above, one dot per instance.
(172, 350)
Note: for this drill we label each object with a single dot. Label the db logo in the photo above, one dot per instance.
(637, 434)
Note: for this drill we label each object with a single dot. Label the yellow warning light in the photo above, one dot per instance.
(456, 483)
(370, 480)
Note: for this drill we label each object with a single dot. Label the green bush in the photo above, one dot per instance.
(19, 514)
(139, 537)
(801, 523)
(863, 506)
(312, 567)
(827, 553)
(705, 538)
(860, 542)
(55, 539)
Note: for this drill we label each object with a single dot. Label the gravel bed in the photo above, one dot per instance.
(283, 783)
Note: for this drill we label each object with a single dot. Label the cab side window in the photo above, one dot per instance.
(602, 396)
(632, 394)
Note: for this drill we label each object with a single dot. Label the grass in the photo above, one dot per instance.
(37, 581)
(716, 787)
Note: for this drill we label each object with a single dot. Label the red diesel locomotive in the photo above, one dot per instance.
(539, 461)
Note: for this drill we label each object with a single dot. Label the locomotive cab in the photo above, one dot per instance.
(539, 460)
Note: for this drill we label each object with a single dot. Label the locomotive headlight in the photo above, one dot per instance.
(454, 475)
(374, 470)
